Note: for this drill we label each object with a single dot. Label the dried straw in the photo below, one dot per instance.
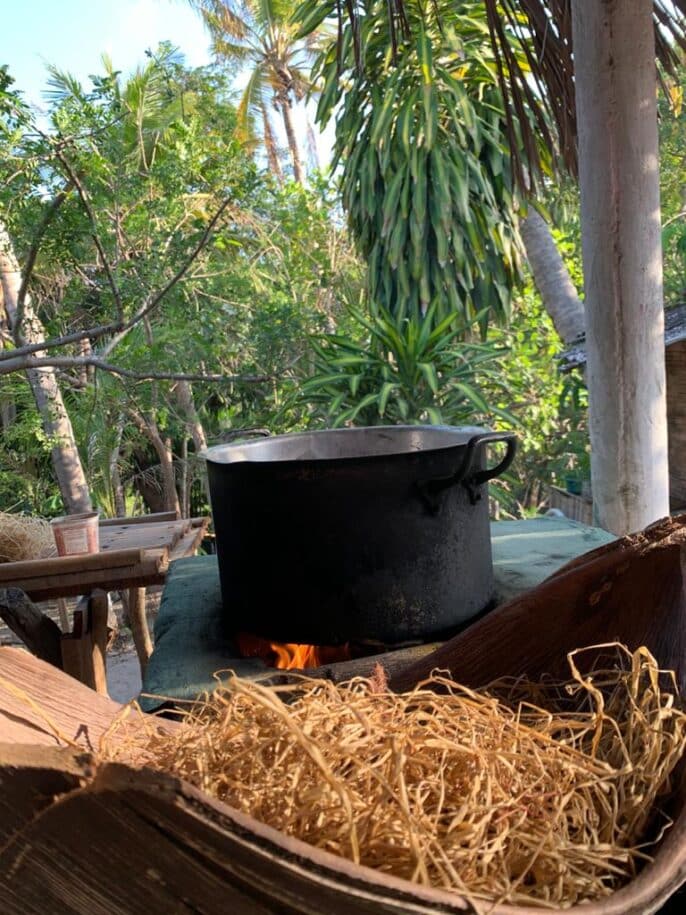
(493, 797)
(25, 537)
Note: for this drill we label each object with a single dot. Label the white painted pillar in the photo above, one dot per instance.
(615, 73)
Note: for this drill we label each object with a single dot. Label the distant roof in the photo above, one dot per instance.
(675, 330)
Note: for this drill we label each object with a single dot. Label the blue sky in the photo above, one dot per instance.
(73, 34)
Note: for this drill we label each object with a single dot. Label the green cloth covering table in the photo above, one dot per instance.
(191, 641)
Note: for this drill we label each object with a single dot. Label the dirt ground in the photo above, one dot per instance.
(123, 669)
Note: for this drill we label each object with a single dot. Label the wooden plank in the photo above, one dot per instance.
(144, 536)
(71, 646)
(40, 704)
(151, 570)
(37, 775)
(576, 508)
(189, 543)
(37, 700)
(11, 572)
(139, 519)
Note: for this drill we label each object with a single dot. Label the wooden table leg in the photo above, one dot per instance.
(99, 610)
(139, 626)
(64, 614)
(84, 649)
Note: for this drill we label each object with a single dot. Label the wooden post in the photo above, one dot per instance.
(84, 650)
(139, 626)
(616, 85)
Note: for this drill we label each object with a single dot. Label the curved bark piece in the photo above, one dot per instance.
(121, 841)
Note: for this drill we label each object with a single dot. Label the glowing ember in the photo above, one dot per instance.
(288, 656)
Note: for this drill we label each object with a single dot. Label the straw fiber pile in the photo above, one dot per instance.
(24, 537)
(483, 792)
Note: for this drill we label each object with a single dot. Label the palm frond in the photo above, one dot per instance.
(221, 18)
(151, 110)
(271, 11)
(230, 49)
(63, 85)
(251, 103)
(107, 64)
(533, 51)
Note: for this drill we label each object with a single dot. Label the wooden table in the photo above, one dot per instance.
(134, 553)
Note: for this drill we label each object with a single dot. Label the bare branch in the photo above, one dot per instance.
(76, 181)
(24, 363)
(48, 215)
(92, 333)
(118, 328)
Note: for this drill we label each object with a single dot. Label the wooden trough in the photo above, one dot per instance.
(109, 839)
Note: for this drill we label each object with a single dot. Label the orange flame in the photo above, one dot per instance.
(290, 656)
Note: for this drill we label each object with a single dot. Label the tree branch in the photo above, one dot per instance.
(27, 363)
(93, 333)
(145, 310)
(76, 181)
(119, 328)
(48, 215)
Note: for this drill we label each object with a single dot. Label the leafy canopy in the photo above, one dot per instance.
(426, 177)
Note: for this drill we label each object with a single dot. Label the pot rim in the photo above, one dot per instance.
(262, 451)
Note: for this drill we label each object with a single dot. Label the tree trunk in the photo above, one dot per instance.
(66, 460)
(616, 85)
(150, 493)
(558, 294)
(185, 480)
(118, 498)
(8, 411)
(164, 453)
(184, 397)
(270, 146)
(166, 456)
(287, 115)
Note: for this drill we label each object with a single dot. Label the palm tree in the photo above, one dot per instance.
(260, 35)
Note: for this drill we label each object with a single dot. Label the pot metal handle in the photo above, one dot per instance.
(430, 490)
(483, 476)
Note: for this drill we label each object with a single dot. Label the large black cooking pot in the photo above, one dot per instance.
(375, 533)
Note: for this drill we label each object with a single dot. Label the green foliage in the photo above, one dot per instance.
(426, 175)
(550, 408)
(401, 372)
(26, 483)
(672, 125)
(156, 155)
